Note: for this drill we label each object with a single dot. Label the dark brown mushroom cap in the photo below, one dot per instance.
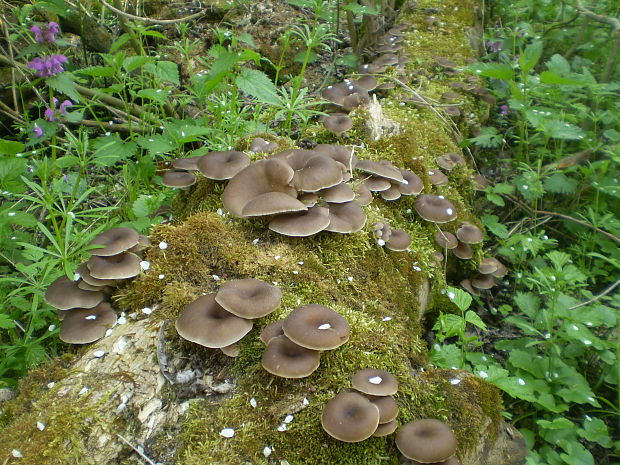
(411, 185)
(480, 182)
(391, 194)
(483, 281)
(346, 218)
(399, 241)
(86, 325)
(501, 271)
(205, 322)
(143, 243)
(449, 96)
(384, 170)
(301, 224)
(435, 208)
(466, 284)
(438, 258)
(448, 161)
(272, 203)
(339, 153)
(260, 145)
(445, 63)
(122, 266)
(469, 233)
(114, 241)
(232, 350)
(222, 165)
(375, 382)
(282, 357)
(335, 93)
(89, 287)
(339, 193)
(451, 461)
(338, 123)
(377, 184)
(65, 294)
(437, 178)
(388, 408)
(426, 441)
(387, 59)
(271, 330)
(368, 82)
(488, 265)
(248, 298)
(270, 175)
(446, 239)
(350, 417)
(84, 273)
(372, 68)
(317, 172)
(385, 429)
(363, 195)
(178, 179)
(385, 86)
(463, 251)
(186, 164)
(452, 111)
(316, 327)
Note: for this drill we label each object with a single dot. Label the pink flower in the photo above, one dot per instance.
(48, 65)
(51, 113)
(47, 34)
(38, 132)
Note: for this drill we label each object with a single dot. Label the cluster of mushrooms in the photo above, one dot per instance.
(393, 239)
(294, 345)
(84, 311)
(220, 320)
(367, 410)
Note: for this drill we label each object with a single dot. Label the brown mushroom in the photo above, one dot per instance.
(350, 417)
(122, 266)
(301, 224)
(178, 179)
(114, 241)
(435, 208)
(285, 359)
(65, 294)
(316, 327)
(375, 382)
(248, 298)
(86, 325)
(426, 441)
(222, 165)
(469, 233)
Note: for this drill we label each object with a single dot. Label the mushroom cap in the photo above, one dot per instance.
(446, 240)
(450, 95)
(339, 193)
(89, 287)
(387, 59)
(377, 184)
(205, 322)
(463, 251)
(260, 145)
(339, 153)
(448, 161)
(222, 165)
(248, 298)
(122, 266)
(488, 265)
(384, 170)
(437, 178)
(388, 408)
(426, 441)
(466, 284)
(178, 178)
(114, 241)
(398, 241)
(363, 194)
(438, 257)
(346, 218)
(143, 243)
(375, 382)
(269, 175)
(480, 182)
(385, 429)
(309, 199)
(338, 123)
(335, 93)
(435, 208)
(316, 327)
(368, 82)
(393, 193)
(412, 184)
(232, 350)
(469, 234)
(271, 330)
(186, 164)
(317, 172)
(272, 203)
(451, 461)
(65, 294)
(85, 325)
(282, 357)
(483, 281)
(501, 271)
(350, 417)
(301, 224)
(452, 111)
(84, 273)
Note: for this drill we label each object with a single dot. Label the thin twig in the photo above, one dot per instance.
(596, 297)
(613, 22)
(138, 451)
(583, 223)
(154, 21)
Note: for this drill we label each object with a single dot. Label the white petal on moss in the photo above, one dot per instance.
(288, 418)
(145, 265)
(253, 402)
(163, 245)
(17, 453)
(40, 425)
(98, 353)
(455, 381)
(227, 432)
(267, 451)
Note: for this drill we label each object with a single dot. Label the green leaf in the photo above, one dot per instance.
(64, 83)
(561, 130)
(491, 222)
(595, 430)
(449, 325)
(446, 356)
(530, 56)
(118, 43)
(167, 71)
(132, 63)
(258, 85)
(11, 172)
(488, 138)
(528, 303)
(462, 299)
(156, 143)
(146, 205)
(549, 77)
(575, 454)
(97, 71)
(6, 322)
(301, 56)
(11, 147)
(158, 95)
(473, 318)
(67, 161)
(493, 70)
(111, 149)
(559, 183)
(358, 9)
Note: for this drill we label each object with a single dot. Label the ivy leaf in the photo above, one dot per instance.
(559, 183)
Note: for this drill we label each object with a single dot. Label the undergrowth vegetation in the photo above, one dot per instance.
(85, 137)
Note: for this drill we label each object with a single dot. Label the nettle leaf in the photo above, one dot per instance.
(472, 317)
(157, 95)
(11, 147)
(156, 143)
(11, 172)
(609, 185)
(258, 85)
(165, 70)
(491, 222)
(559, 183)
(530, 56)
(65, 84)
(358, 9)
(446, 356)
(111, 149)
(462, 299)
(527, 302)
(561, 130)
(488, 138)
(493, 70)
(6, 322)
(134, 62)
(595, 430)
(449, 325)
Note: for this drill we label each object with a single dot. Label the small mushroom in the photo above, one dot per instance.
(383, 170)
(339, 193)
(260, 145)
(86, 325)
(350, 417)
(437, 178)
(65, 294)
(186, 164)
(426, 441)
(463, 251)
(346, 218)
(446, 240)
(375, 382)
(285, 359)
(466, 284)
(435, 208)
(489, 265)
(399, 241)
(411, 185)
(385, 429)
(480, 182)
(248, 298)
(122, 266)
(301, 224)
(338, 123)
(272, 203)
(222, 165)
(469, 234)
(271, 330)
(316, 327)
(483, 281)
(388, 408)
(448, 161)
(114, 241)
(178, 179)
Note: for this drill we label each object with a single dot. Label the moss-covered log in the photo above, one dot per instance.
(174, 398)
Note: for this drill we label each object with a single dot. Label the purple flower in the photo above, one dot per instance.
(503, 110)
(47, 65)
(50, 113)
(64, 105)
(38, 132)
(47, 34)
(493, 46)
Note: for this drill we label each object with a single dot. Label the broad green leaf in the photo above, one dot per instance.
(462, 299)
(67, 161)
(561, 130)
(530, 56)
(118, 43)
(446, 356)
(491, 222)
(559, 183)
(156, 143)
(595, 430)
(548, 77)
(473, 318)
(11, 172)
(258, 85)
(157, 95)
(301, 56)
(493, 70)
(64, 83)
(575, 453)
(111, 149)
(97, 71)
(6, 322)
(450, 325)
(527, 302)
(167, 71)
(358, 9)
(11, 147)
(132, 63)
